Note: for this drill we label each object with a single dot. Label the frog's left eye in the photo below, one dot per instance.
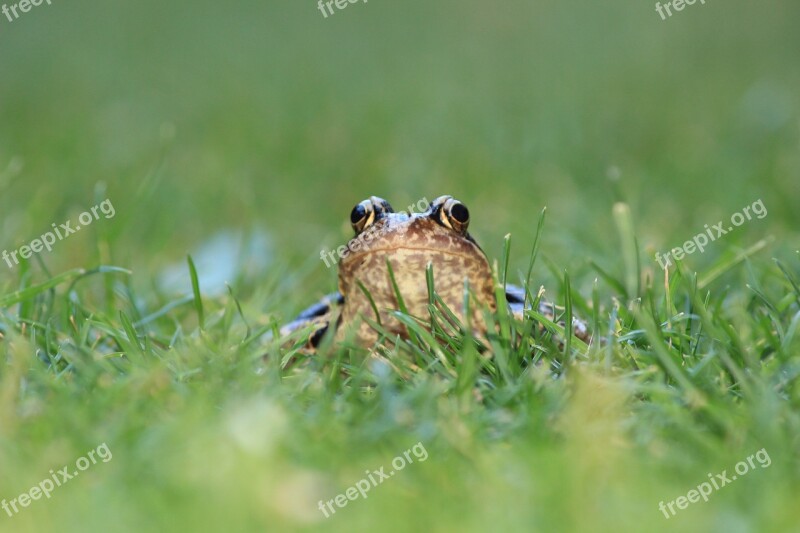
(366, 213)
(452, 213)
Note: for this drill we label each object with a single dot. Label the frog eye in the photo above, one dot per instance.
(365, 213)
(451, 213)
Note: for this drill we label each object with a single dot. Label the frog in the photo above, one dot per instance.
(385, 267)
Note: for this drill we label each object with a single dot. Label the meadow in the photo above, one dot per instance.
(234, 139)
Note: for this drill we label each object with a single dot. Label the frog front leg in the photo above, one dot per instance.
(515, 296)
(319, 316)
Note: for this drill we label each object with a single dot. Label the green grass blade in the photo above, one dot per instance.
(198, 300)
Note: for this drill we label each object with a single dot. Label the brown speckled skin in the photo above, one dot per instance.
(410, 242)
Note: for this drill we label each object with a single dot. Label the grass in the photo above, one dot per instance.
(685, 382)
(241, 138)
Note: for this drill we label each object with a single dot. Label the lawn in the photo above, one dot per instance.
(209, 152)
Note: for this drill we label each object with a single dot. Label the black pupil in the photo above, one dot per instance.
(459, 213)
(357, 214)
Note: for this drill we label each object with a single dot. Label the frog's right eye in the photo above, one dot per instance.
(450, 213)
(366, 213)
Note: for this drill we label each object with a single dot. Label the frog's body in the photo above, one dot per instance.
(408, 244)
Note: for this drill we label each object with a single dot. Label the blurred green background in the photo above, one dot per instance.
(200, 117)
(202, 120)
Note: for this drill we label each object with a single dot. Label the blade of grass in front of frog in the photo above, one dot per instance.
(429, 282)
(289, 353)
(383, 334)
(596, 314)
(340, 355)
(450, 318)
(693, 317)
(534, 254)
(763, 298)
(568, 320)
(737, 371)
(223, 321)
(400, 302)
(770, 322)
(371, 301)
(786, 302)
(769, 325)
(436, 318)
(440, 313)
(447, 319)
(508, 332)
(557, 330)
(130, 344)
(497, 335)
(334, 378)
(391, 358)
(611, 336)
(328, 340)
(445, 326)
(786, 352)
(790, 278)
(530, 332)
(391, 339)
(441, 310)
(414, 325)
(49, 332)
(27, 305)
(669, 359)
(504, 260)
(501, 342)
(435, 329)
(275, 329)
(500, 293)
(198, 301)
(468, 370)
(667, 295)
